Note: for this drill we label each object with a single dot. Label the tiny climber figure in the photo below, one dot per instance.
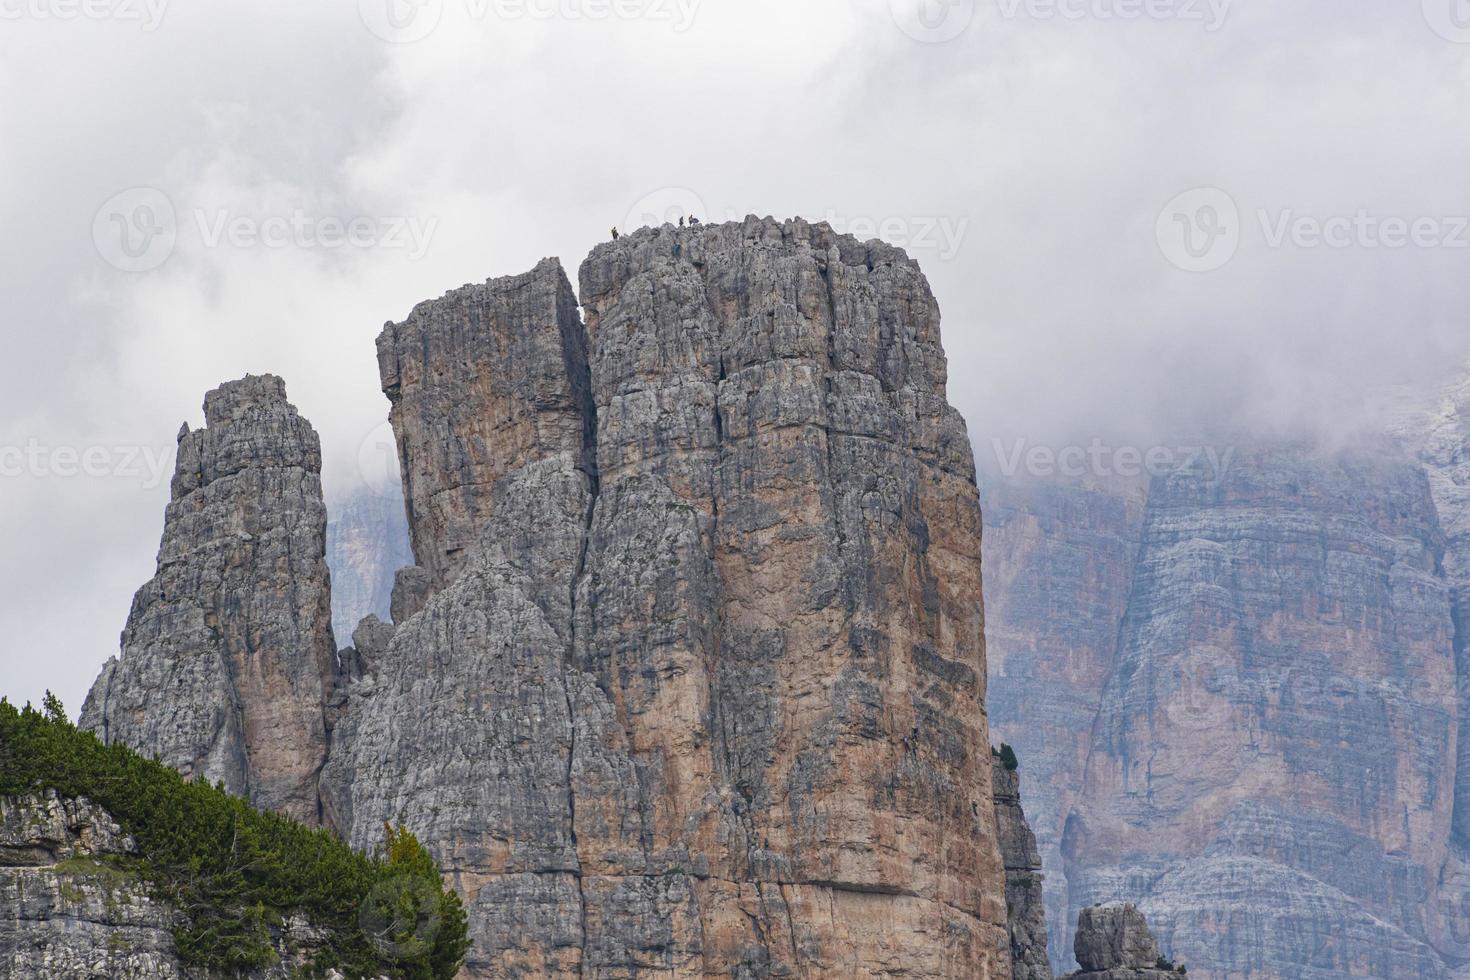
(681, 221)
(615, 232)
(693, 221)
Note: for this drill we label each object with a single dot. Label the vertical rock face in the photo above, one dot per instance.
(228, 652)
(1271, 775)
(1284, 634)
(701, 691)
(1058, 569)
(482, 382)
(689, 677)
(1436, 429)
(63, 912)
(367, 542)
(1025, 911)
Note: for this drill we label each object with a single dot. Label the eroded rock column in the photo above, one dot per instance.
(482, 381)
(227, 658)
(1025, 907)
(782, 602)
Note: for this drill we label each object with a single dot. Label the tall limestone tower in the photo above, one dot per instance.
(228, 658)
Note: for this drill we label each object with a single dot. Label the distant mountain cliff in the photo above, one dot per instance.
(1058, 571)
(367, 543)
(688, 677)
(1242, 697)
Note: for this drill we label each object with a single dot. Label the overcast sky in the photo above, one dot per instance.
(1115, 201)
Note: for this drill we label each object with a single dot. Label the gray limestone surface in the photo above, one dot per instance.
(228, 658)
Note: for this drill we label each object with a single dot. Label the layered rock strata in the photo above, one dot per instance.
(1271, 770)
(704, 695)
(1435, 426)
(1059, 560)
(228, 656)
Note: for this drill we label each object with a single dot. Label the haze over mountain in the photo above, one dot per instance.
(1025, 162)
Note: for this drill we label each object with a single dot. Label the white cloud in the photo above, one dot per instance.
(1045, 147)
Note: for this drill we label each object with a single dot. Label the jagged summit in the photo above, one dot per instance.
(754, 231)
(227, 657)
(548, 268)
(263, 394)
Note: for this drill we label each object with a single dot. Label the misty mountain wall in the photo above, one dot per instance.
(1270, 763)
(1283, 695)
(1435, 426)
(1058, 570)
(688, 678)
(367, 543)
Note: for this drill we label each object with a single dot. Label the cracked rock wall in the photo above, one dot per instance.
(1435, 426)
(76, 903)
(482, 382)
(688, 678)
(697, 685)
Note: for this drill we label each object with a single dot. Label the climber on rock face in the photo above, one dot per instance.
(615, 232)
(693, 221)
(681, 221)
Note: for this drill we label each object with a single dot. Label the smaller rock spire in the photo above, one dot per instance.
(1114, 943)
(228, 654)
